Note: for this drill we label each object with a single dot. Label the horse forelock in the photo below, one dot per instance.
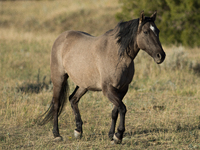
(126, 34)
(147, 19)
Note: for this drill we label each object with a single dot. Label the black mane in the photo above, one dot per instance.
(127, 32)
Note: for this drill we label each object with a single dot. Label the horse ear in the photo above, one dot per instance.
(153, 16)
(142, 17)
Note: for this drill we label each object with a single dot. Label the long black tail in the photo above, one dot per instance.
(48, 115)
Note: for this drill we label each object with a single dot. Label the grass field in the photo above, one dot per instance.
(163, 100)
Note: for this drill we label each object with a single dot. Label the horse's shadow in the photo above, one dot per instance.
(36, 86)
(145, 131)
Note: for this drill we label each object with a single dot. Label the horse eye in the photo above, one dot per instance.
(145, 32)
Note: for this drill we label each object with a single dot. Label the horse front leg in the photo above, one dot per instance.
(116, 96)
(121, 128)
(113, 124)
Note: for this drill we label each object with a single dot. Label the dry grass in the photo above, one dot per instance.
(163, 100)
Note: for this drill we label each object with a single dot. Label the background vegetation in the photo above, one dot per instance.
(162, 102)
(179, 20)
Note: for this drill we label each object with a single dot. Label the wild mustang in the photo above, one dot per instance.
(104, 63)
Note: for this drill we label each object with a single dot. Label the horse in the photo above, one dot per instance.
(103, 63)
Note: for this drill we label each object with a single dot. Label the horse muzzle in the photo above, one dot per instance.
(159, 57)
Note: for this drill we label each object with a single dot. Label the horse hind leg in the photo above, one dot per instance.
(60, 89)
(74, 99)
(59, 98)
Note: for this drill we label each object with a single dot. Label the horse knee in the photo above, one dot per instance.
(73, 101)
(121, 129)
(123, 109)
(55, 103)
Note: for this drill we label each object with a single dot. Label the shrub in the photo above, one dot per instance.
(178, 20)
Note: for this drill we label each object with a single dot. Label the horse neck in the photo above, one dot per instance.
(132, 53)
(128, 56)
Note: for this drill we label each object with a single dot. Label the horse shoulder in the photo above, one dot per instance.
(119, 75)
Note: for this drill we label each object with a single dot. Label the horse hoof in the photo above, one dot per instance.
(77, 134)
(112, 142)
(58, 139)
(116, 140)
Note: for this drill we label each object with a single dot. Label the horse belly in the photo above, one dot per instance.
(83, 71)
(85, 79)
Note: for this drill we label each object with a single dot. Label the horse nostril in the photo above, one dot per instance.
(159, 56)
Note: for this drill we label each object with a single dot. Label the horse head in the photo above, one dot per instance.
(148, 37)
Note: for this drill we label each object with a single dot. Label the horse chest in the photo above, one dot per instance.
(122, 76)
